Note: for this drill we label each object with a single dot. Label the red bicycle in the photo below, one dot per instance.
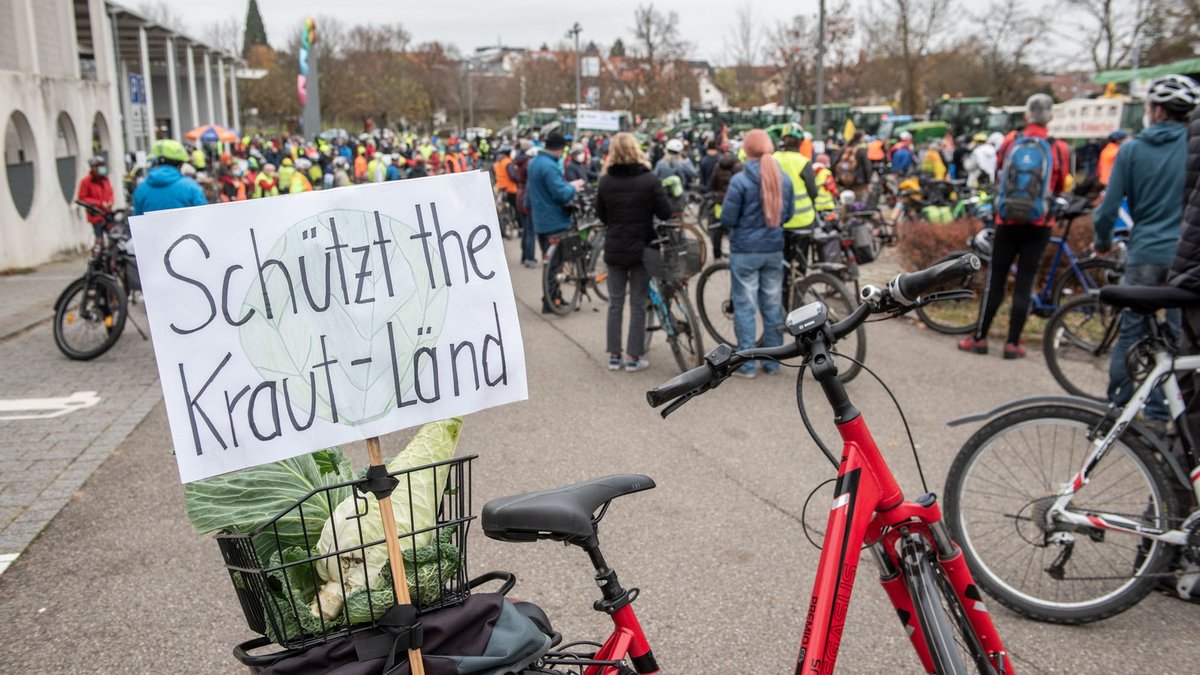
(921, 568)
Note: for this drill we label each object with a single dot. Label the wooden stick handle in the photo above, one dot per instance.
(399, 579)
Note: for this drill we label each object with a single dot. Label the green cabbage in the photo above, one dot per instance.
(357, 519)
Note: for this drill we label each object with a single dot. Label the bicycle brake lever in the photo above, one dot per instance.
(957, 294)
(678, 403)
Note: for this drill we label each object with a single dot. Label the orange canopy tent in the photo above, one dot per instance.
(211, 133)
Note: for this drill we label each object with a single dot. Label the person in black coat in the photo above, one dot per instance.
(627, 200)
(1185, 268)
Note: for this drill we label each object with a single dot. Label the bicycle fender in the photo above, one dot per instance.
(1029, 402)
(1150, 439)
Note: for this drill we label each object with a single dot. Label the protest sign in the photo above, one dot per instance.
(1086, 118)
(290, 324)
(602, 120)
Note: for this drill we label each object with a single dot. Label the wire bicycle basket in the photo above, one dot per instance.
(674, 261)
(333, 578)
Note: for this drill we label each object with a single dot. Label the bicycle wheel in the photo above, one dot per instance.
(948, 633)
(714, 299)
(689, 230)
(597, 270)
(838, 300)
(683, 334)
(1000, 488)
(1099, 272)
(1078, 345)
(562, 281)
(955, 317)
(89, 317)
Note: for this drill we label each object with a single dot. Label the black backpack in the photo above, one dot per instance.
(486, 635)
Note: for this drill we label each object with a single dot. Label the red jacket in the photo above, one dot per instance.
(1061, 158)
(98, 192)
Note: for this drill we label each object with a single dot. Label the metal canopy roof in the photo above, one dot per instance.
(126, 23)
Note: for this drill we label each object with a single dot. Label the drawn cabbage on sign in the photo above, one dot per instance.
(289, 344)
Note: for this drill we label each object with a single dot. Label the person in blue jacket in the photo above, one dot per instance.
(759, 200)
(549, 193)
(1149, 171)
(165, 187)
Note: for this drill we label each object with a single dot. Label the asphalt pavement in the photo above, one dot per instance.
(120, 583)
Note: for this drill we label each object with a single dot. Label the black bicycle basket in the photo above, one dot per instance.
(674, 262)
(328, 582)
(572, 243)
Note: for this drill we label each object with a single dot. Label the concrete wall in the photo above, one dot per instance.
(55, 226)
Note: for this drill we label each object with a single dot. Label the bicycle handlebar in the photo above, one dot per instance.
(899, 295)
(907, 288)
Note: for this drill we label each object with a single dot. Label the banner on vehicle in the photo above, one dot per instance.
(290, 324)
(602, 120)
(1086, 118)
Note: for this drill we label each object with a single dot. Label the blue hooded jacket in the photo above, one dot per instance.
(742, 212)
(1149, 171)
(166, 188)
(549, 192)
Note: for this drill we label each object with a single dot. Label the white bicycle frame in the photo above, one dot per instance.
(1165, 367)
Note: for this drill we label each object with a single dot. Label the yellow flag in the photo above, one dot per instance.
(848, 132)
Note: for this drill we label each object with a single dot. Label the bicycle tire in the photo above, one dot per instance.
(691, 231)
(687, 344)
(714, 300)
(973, 514)
(1078, 343)
(107, 314)
(1100, 271)
(597, 270)
(956, 317)
(561, 282)
(840, 303)
(948, 634)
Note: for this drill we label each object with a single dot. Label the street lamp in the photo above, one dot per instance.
(818, 113)
(575, 31)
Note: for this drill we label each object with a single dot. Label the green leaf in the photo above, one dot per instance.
(245, 501)
(333, 461)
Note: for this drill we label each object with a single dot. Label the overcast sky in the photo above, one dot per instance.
(474, 23)
(468, 24)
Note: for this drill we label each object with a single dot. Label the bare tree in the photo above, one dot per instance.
(788, 50)
(1110, 30)
(905, 31)
(743, 41)
(162, 13)
(225, 34)
(661, 77)
(1009, 36)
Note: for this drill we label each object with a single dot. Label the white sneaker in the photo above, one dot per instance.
(634, 365)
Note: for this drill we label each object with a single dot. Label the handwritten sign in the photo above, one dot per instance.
(294, 323)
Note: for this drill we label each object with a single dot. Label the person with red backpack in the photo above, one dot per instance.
(1032, 168)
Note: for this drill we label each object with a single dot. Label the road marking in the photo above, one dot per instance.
(7, 559)
(44, 408)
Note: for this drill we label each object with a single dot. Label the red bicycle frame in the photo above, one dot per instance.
(868, 507)
(627, 638)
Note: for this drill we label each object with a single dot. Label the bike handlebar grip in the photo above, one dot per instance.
(907, 287)
(680, 385)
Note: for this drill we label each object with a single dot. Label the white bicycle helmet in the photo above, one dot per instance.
(1176, 93)
(675, 145)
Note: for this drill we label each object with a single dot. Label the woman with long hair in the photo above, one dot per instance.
(759, 199)
(627, 200)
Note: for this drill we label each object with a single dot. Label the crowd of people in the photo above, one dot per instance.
(763, 197)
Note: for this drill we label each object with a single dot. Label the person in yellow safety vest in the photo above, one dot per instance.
(266, 183)
(797, 167)
(198, 159)
(827, 190)
(285, 175)
(299, 181)
(315, 174)
(376, 170)
(933, 164)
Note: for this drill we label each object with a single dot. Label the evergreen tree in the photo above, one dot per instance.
(618, 48)
(591, 48)
(255, 33)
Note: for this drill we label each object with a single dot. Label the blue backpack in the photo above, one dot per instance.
(1024, 194)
